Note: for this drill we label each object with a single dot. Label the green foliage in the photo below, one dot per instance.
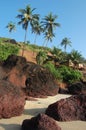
(69, 75)
(64, 73)
(7, 49)
(53, 70)
(41, 57)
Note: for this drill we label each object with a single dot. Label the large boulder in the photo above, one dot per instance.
(12, 100)
(72, 108)
(40, 122)
(38, 81)
(77, 88)
(14, 61)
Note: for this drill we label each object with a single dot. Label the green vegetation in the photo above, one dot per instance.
(7, 49)
(64, 73)
(41, 57)
(53, 70)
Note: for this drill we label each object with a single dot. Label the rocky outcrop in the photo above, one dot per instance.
(40, 83)
(63, 90)
(72, 108)
(37, 80)
(12, 41)
(40, 122)
(77, 88)
(12, 100)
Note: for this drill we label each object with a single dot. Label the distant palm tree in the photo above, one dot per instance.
(48, 37)
(11, 26)
(37, 29)
(27, 17)
(49, 25)
(65, 42)
(75, 56)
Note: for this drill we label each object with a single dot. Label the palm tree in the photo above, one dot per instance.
(27, 17)
(75, 56)
(65, 42)
(11, 26)
(49, 25)
(57, 55)
(48, 37)
(37, 29)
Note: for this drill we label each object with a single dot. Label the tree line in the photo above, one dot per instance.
(46, 26)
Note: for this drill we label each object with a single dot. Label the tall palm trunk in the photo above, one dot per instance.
(35, 39)
(23, 49)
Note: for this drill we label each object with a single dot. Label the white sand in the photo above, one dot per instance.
(32, 108)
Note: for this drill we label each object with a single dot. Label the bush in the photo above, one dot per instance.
(64, 73)
(69, 75)
(7, 49)
(41, 57)
(53, 70)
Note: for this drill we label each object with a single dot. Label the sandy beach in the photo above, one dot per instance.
(32, 108)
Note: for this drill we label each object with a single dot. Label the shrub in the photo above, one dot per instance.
(7, 49)
(41, 57)
(64, 73)
(53, 70)
(69, 75)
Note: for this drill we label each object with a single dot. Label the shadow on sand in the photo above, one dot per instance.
(10, 126)
(34, 112)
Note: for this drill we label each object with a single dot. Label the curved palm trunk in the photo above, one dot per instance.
(24, 43)
(35, 39)
(44, 42)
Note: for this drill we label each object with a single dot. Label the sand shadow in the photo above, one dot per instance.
(10, 126)
(34, 112)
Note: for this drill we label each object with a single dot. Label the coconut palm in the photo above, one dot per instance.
(48, 37)
(27, 18)
(37, 29)
(49, 25)
(11, 26)
(65, 42)
(75, 56)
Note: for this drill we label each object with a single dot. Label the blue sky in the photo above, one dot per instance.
(71, 16)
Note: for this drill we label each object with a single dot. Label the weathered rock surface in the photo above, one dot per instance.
(72, 108)
(40, 122)
(40, 83)
(17, 70)
(63, 91)
(77, 88)
(12, 100)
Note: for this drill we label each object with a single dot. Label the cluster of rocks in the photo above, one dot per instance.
(72, 108)
(20, 79)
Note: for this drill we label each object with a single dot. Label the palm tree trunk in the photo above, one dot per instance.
(24, 42)
(35, 39)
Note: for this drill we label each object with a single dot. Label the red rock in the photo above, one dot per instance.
(72, 108)
(18, 71)
(40, 122)
(12, 100)
(77, 88)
